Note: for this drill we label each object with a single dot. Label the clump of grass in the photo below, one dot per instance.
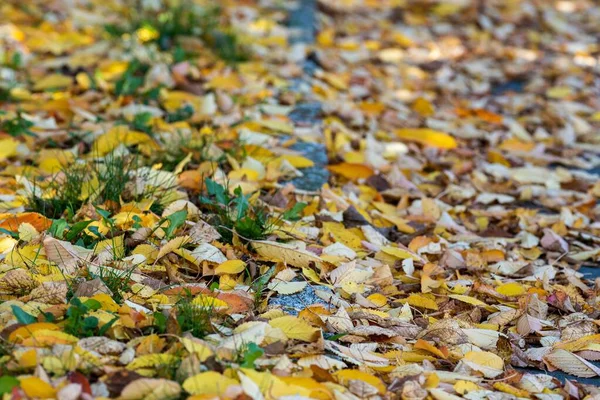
(61, 194)
(228, 47)
(179, 145)
(116, 173)
(235, 214)
(182, 18)
(102, 181)
(194, 318)
(116, 280)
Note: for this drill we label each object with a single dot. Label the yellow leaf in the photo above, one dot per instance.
(489, 364)
(461, 387)
(467, 299)
(209, 302)
(345, 376)
(339, 233)
(559, 92)
(8, 148)
(53, 81)
(430, 347)
(268, 384)
(35, 387)
(506, 388)
(378, 299)
(48, 338)
(427, 137)
(577, 344)
(511, 289)
(226, 82)
(152, 361)
(230, 267)
(151, 389)
(352, 171)
(277, 125)
(26, 331)
(432, 381)
(317, 390)
(423, 107)
(274, 251)
(28, 359)
(326, 37)
(172, 245)
(400, 253)
(107, 302)
(421, 301)
(117, 135)
(208, 383)
(197, 347)
(298, 161)
(295, 328)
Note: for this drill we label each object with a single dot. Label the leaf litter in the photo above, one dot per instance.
(154, 246)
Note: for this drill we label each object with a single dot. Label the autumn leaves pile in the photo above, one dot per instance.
(152, 244)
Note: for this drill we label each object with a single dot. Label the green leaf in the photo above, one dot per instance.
(294, 213)
(104, 214)
(175, 221)
(92, 304)
(253, 352)
(90, 323)
(7, 383)
(217, 191)
(22, 316)
(160, 322)
(241, 203)
(110, 323)
(57, 228)
(264, 279)
(10, 233)
(76, 229)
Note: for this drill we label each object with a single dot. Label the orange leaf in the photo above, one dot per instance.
(12, 222)
(427, 346)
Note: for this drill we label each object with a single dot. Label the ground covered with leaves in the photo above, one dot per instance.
(206, 202)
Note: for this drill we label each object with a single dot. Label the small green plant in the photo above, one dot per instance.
(259, 285)
(79, 324)
(178, 146)
(182, 18)
(62, 192)
(17, 126)
(249, 354)
(101, 181)
(116, 280)
(132, 79)
(194, 318)
(115, 172)
(235, 214)
(228, 47)
(142, 122)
